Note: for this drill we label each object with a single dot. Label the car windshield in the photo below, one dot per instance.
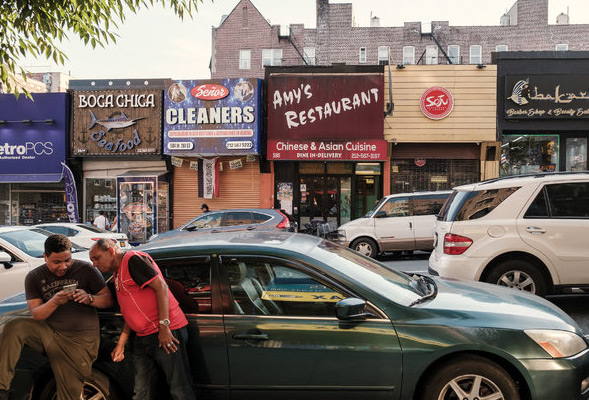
(31, 241)
(387, 282)
(376, 207)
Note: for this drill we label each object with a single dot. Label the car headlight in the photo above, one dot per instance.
(558, 343)
(341, 234)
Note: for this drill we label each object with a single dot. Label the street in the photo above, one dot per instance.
(573, 304)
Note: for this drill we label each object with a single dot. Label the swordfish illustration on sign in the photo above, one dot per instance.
(121, 121)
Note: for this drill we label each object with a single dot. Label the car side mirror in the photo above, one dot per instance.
(5, 259)
(380, 214)
(351, 308)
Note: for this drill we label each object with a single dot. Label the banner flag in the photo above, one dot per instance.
(71, 194)
(208, 178)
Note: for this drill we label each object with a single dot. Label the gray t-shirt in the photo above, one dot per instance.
(72, 317)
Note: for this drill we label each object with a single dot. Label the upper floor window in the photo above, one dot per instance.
(476, 54)
(383, 55)
(501, 47)
(309, 55)
(244, 21)
(431, 55)
(454, 54)
(408, 55)
(271, 57)
(562, 47)
(245, 58)
(362, 55)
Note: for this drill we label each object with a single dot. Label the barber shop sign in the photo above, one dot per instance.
(436, 103)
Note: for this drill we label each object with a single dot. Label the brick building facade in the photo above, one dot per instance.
(244, 42)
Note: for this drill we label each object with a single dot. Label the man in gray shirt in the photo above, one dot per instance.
(62, 297)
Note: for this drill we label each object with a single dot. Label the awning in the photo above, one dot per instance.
(28, 178)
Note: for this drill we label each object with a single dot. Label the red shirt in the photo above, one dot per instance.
(139, 303)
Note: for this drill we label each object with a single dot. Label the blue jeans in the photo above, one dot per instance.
(147, 356)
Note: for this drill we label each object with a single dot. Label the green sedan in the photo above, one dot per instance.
(291, 316)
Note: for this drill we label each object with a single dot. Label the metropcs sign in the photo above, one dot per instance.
(436, 103)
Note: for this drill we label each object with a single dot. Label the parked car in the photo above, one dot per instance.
(21, 250)
(85, 235)
(230, 220)
(293, 316)
(399, 222)
(524, 232)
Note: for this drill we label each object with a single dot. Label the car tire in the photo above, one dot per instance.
(97, 387)
(518, 274)
(469, 377)
(365, 246)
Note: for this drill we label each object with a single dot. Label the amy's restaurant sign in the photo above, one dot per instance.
(212, 117)
(116, 122)
(326, 117)
(546, 96)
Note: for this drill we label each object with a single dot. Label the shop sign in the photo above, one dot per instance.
(436, 103)
(33, 136)
(325, 150)
(116, 122)
(337, 106)
(212, 117)
(547, 96)
(439, 179)
(420, 162)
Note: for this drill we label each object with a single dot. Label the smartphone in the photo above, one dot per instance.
(70, 288)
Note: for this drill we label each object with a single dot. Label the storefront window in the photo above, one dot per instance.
(412, 175)
(576, 154)
(34, 203)
(528, 154)
(101, 194)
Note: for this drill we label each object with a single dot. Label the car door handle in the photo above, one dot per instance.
(251, 228)
(535, 230)
(250, 336)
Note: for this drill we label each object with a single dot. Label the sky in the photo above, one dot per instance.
(157, 44)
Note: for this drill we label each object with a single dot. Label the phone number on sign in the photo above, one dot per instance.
(365, 156)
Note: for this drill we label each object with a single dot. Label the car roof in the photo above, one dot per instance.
(424, 193)
(234, 241)
(522, 180)
(9, 228)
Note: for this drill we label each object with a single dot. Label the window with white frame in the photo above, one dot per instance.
(362, 55)
(309, 55)
(408, 55)
(431, 55)
(383, 55)
(245, 59)
(454, 54)
(562, 47)
(501, 47)
(476, 54)
(271, 57)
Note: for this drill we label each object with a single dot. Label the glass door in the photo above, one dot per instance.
(367, 194)
(136, 203)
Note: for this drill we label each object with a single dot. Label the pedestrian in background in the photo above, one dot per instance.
(101, 222)
(204, 208)
(152, 312)
(62, 297)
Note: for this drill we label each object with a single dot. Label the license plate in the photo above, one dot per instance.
(122, 244)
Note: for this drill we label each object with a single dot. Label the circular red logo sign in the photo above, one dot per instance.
(436, 103)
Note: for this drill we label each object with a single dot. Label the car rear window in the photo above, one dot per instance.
(462, 206)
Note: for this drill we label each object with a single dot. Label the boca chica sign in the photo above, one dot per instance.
(326, 117)
(212, 117)
(116, 122)
(547, 96)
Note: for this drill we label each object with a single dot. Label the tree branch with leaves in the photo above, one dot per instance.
(37, 28)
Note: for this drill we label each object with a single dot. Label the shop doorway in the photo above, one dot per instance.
(367, 194)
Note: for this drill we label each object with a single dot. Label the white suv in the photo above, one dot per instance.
(399, 222)
(526, 232)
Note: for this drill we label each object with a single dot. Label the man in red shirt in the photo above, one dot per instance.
(152, 312)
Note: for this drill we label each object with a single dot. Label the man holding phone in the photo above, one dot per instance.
(62, 296)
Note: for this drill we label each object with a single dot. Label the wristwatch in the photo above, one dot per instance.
(165, 322)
